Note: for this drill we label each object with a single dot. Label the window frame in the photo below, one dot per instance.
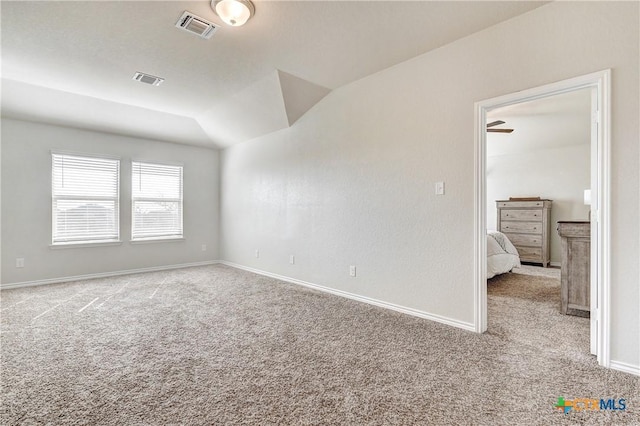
(179, 200)
(88, 242)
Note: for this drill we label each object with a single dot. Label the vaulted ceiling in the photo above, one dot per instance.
(72, 63)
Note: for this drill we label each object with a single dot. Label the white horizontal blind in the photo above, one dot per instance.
(156, 201)
(84, 199)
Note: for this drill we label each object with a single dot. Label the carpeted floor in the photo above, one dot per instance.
(215, 345)
(524, 308)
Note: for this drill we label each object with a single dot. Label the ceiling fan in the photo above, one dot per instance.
(497, 123)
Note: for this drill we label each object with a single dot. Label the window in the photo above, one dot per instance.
(84, 199)
(156, 201)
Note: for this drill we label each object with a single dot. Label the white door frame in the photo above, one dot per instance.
(600, 199)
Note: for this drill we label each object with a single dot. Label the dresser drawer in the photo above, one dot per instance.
(527, 240)
(529, 253)
(526, 215)
(521, 227)
(521, 204)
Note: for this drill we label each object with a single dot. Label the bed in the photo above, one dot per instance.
(502, 256)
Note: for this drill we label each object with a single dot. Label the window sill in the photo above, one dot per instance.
(58, 246)
(157, 240)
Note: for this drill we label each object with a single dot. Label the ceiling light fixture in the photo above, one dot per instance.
(233, 12)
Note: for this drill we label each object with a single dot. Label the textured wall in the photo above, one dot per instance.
(26, 203)
(352, 181)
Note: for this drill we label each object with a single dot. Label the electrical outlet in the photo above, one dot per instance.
(257, 253)
(439, 188)
(352, 270)
(204, 247)
(20, 262)
(292, 259)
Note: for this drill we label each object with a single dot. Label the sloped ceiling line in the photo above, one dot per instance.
(272, 103)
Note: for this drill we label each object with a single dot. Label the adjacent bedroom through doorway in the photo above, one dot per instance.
(537, 170)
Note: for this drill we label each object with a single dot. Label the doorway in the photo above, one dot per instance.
(599, 83)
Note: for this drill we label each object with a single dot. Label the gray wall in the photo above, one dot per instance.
(352, 181)
(26, 203)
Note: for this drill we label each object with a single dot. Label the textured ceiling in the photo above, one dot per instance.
(71, 63)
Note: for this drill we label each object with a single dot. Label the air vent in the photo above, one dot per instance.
(196, 25)
(148, 79)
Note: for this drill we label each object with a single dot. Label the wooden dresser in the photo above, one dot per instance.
(527, 225)
(575, 276)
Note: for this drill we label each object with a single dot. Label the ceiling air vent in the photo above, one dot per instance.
(148, 79)
(196, 25)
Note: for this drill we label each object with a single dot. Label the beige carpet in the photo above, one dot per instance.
(524, 308)
(214, 345)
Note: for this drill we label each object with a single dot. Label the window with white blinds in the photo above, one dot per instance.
(156, 201)
(84, 199)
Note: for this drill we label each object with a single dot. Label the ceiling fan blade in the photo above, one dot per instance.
(495, 123)
(500, 130)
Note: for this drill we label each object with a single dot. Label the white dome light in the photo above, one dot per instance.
(233, 12)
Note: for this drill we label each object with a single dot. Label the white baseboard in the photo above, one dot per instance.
(104, 275)
(556, 264)
(370, 301)
(624, 367)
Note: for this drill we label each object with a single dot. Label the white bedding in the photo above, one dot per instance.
(502, 256)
